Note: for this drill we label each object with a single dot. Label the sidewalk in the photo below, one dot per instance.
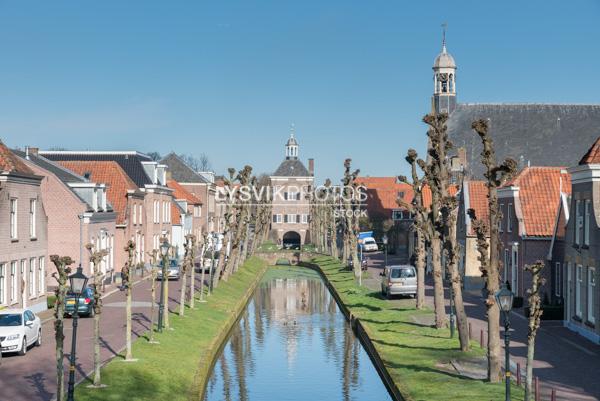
(564, 360)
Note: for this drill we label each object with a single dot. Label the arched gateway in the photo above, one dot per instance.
(292, 240)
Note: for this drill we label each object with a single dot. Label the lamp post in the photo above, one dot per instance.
(504, 299)
(77, 281)
(164, 253)
(385, 242)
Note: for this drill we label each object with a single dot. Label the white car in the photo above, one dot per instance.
(19, 329)
(369, 245)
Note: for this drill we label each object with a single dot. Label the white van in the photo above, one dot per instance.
(399, 280)
(369, 245)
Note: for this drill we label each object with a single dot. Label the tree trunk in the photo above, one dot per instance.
(153, 295)
(420, 264)
(183, 290)
(535, 315)
(438, 284)
(61, 276)
(97, 362)
(193, 275)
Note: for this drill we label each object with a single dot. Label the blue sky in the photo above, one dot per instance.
(227, 78)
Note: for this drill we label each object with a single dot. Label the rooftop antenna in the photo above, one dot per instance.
(444, 26)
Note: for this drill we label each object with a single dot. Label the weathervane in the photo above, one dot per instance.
(292, 129)
(444, 26)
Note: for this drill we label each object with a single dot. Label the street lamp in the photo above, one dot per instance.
(164, 253)
(385, 242)
(77, 281)
(504, 299)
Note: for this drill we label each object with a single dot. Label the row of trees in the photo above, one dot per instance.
(435, 227)
(246, 226)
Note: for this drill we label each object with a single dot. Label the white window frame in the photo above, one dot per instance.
(557, 279)
(32, 218)
(41, 275)
(514, 272)
(13, 282)
(586, 222)
(509, 218)
(506, 263)
(3, 274)
(304, 219)
(135, 215)
(14, 219)
(578, 283)
(140, 214)
(591, 289)
(31, 278)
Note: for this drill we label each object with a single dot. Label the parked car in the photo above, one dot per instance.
(399, 280)
(85, 306)
(172, 270)
(19, 329)
(369, 245)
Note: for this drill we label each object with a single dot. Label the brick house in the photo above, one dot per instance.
(23, 236)
(529, 205)
(186, 214)
(472, 196)
(291, 183)
(78, 213)
(139, 181)
(200, 185)
(582, 247)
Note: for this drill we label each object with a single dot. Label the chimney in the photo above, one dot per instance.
(33, 151)
(311, 167)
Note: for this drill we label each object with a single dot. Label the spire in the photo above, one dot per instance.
(292, 130)
(444, 26)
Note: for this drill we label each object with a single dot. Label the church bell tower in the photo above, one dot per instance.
(444, 80)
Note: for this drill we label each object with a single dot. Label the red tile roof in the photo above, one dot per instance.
(383, 193)
(539, 197)
(592, 156)
(10, 163)
(179, 192)
(111, 174)
(478, 200)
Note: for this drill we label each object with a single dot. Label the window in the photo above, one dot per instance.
(197, 211)
(578, 282)
(13, 218)
(506, 265)
(134, 215)
(13, 281)
(500, 221)
(23, 276)
(509, 218)
(32, 217)
(514, 270)
(586, 224)
(277, 218)
(591, 286)
(578, 222)
(31, 278)
(557, 279)
(401, 194)
(140, 214)
(41, 275)
(2, 283)
(304, 218)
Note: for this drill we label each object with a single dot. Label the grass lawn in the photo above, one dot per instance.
(167, 371)
(416, 355)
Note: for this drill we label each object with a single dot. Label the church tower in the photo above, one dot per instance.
(291, 147)
(444, 81)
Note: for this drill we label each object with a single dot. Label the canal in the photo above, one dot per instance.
(292, 343)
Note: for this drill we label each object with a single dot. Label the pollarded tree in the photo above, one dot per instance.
(96, 260)
(421, 224)
(349, 188)
(127, 286)
(153, 273)
(187, 262)
(535, 315)
(496, 176)
(61, 275)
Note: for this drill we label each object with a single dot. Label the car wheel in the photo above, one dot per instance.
(38, 342)
(23, 350)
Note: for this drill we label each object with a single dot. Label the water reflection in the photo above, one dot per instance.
(292, 343)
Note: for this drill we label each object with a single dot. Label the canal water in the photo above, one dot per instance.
(292, 343)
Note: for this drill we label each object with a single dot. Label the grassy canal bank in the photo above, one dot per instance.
(419, 358)
(176, 369)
